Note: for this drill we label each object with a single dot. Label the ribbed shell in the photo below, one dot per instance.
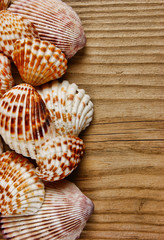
(6, 79)
(71, 109)
(24, 119)
(4, 4)
(38, 61)
(62, 216)
(58, 157)
(21, 191)
(55, 21)
(13, 27)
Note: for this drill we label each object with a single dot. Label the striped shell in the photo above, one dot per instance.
(24, 119)
(55, 21)
(58, 157)
(62, 216)
(21, 191)
(4, 4)
(71, 109)
(6, 79)
(38, 61)
(13, 27)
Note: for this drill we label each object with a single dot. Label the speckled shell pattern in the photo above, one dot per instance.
(62, 216)
(38, 61)
(71, 109)
(24, 120)
(58, 157)
(4, 4)
(22, 192)
(55, 21)
(13, 27)
(6, 79)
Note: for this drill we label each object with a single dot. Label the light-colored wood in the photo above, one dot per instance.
(122, 69)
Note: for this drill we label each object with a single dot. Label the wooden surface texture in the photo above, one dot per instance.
(122, 69)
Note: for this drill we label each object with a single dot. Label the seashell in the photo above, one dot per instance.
(4, 4)
(62, 216)
(13, 27)
(55, 21)
(6, 79)
(71, 109)
(38, 61)
(1, 146)
(58, 157)
(24, 119)
(21, 190)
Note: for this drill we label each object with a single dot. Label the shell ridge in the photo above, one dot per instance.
(55, 19)
(17, 184)
(71, 108)
(58, 226)
(79, 96)
(83, 109)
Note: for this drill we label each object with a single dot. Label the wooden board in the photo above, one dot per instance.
(122, 69)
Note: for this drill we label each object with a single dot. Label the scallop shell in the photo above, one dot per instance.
(71, 109)
(55, 21)
(6, 79)
(4, 4)
(58, 157)
(38, 61)
(21, 190)
(13, 27)
(62, 216)
(24, 119)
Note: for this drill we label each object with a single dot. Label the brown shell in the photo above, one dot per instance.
(58, 157)
(38, 61)
(55, 21)
(24, 119)
(6, 79)
(1, 146)
(13, 27)
(62, 216)
(4, 4)
(21, 191)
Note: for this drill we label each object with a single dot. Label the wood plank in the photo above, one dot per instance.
(121, 68)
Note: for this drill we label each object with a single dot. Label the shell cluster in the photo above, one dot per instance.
(12, 28)
(62, 216)
(55, 21)
(42, 123)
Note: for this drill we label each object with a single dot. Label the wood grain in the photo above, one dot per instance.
(122, 69)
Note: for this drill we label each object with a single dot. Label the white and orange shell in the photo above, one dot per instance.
(58, 157)
(62, 216)
(6, 79)
(21, 191)
(24, 119)
(38, 61)
(71, 109)
(13, 27)
(4, 4)
(55, 21)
